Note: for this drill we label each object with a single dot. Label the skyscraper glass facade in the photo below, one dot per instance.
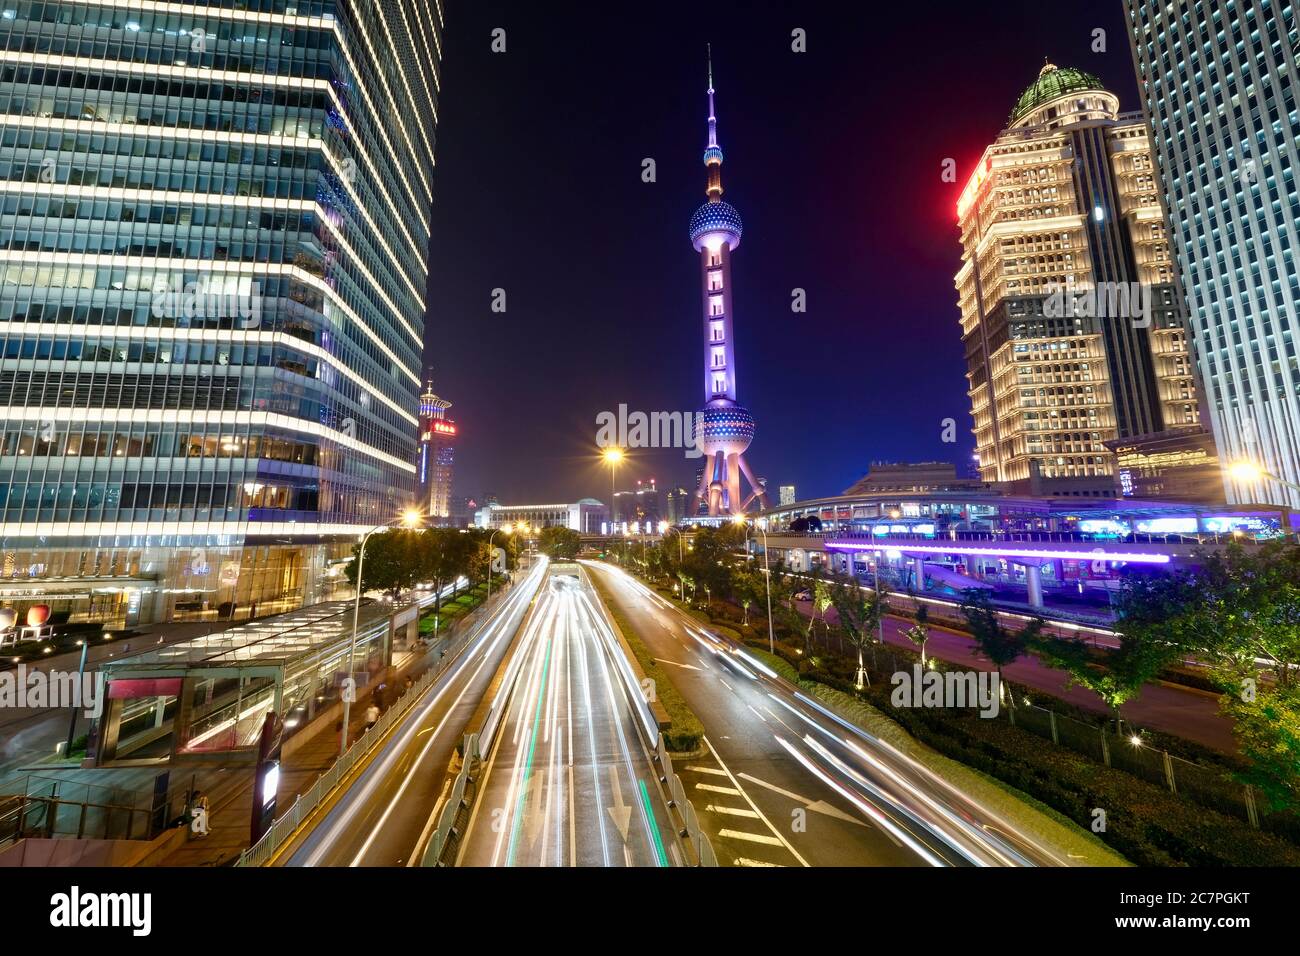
(1219, 83)
(212, 292)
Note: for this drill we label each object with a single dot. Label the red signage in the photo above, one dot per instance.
(144, 687)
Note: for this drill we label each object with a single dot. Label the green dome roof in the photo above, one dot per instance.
(1053, 81)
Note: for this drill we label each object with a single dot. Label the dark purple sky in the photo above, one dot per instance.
(834, 160)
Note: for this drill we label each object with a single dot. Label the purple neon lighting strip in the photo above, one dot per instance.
(1136, 557)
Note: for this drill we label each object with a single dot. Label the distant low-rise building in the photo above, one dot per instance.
(586, 515)
(917, 477)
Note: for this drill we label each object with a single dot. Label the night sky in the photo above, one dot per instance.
(833, 158)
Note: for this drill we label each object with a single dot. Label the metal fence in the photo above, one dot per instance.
(444, 844)
(678, 800)
(460, 632)
(49, 807)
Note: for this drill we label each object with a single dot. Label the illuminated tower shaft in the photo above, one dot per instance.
(725, 427)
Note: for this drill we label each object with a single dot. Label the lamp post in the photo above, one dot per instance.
(767, 576)
(1246, 472)
(612, 457)
(410, 519)
(508, 529)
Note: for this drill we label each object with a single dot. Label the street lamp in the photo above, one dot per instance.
(410, 519)
(508, 528)
(1248, 472)
(767, 576)
(612, 456)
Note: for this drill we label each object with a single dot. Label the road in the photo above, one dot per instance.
(385, 814)
(569, 781)
(788, 783)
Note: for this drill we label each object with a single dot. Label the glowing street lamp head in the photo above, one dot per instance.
(508, 528)
(412, 518)
(663, 527)
(612, 455)
(738, 518)
(1246, 471)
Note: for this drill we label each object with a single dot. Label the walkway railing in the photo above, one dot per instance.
(306, 803)
(1041, 537)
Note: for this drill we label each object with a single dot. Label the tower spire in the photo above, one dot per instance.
(713, 153)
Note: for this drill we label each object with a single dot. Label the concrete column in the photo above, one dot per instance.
(918, 568)
(159, 710)
(1034, 578)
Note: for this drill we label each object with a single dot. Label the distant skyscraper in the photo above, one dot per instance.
(640, 503)
(788, 495)
(727, 426)
(1219, 82)
(216, 228)
(437, 456)
(1073, 329)
(677, 503)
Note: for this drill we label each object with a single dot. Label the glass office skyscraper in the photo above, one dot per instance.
(1220, 88)
(212, 293)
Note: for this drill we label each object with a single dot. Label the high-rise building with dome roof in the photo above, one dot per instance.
(726, 426)
(1073, 329)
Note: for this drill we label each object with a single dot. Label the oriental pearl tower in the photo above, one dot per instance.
(724, 427)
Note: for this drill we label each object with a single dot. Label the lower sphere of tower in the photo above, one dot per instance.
(729, 430)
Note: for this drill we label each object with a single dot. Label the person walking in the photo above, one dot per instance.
(372, 715)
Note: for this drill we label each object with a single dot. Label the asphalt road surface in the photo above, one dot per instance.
(385, 814)
(569, 781)
(788, 783)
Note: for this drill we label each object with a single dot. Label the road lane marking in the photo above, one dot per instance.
(731, 811)
(751, 837)
(754, 806)
(713, 770)
(745, 861)
(664, 660)
(712, 788)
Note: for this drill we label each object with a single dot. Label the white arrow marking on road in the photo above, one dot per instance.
(817, 806)
(620, 813)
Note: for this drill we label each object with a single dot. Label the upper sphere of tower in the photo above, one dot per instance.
(716, 219)
(712, 155)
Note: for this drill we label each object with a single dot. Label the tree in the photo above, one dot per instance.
(444, 559)
(1000, 645)
(749, 586)
(1267, 729)
(391, 561)
(821, 600)
(785, 585)
(859, 616)
(712, 555)
(918, 634)
(560, 543)
(1238, 612)
(1115, 676)
(1231, 610)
